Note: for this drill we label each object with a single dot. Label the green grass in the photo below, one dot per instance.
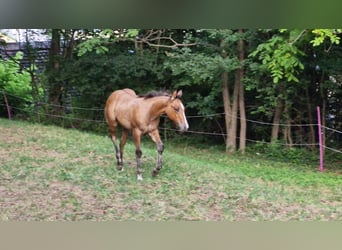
(49, 173)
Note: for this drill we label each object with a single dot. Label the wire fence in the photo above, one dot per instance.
(73, 118)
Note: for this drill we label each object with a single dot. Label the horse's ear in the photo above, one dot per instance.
(176, 94)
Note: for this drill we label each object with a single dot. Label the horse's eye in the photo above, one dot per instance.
(176, 109)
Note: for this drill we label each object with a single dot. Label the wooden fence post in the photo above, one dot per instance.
(7, 106)
(320, 139)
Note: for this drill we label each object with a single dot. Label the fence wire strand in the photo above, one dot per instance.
(333, 149)
(331, 129)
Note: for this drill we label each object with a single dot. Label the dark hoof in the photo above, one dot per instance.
(155, 173)
(119, 167)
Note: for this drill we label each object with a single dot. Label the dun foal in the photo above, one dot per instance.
(141, 115)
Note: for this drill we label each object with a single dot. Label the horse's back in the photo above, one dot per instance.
(118, 101)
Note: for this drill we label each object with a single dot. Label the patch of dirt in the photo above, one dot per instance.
(59, 201)
(17, 142)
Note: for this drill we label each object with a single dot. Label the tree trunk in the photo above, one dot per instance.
(226, 104)
(231, 141)
(276, 120)
(53, 69)
(226, 101)
(323, 108)
(240, 73)
(287, 129)
(231, 111)
(312, 134)
(69, 37)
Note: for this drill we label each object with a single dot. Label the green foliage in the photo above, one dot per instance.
(280, 152)
(204, 64)
(90, 78)
(276, 77)
(322, 34)
(94, 74)
(90, 45)
(222, 38)
(12, 80)
(201, 67)
(194, 68)
(281, 59)
(132, 33)
(15, 82)
(99, 42)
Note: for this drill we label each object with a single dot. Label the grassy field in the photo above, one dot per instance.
(52, 174)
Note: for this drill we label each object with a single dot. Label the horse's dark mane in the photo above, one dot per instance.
(154, 93)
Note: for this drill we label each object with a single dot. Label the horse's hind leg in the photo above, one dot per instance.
(123, 140)
(138, 152)
(160, 147)
(112, 131)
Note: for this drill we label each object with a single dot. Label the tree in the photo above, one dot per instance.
(299, 77)
(240, 77)
(32, 53)
(54, 84)
(280, 58)
(325, 43)
(215, 59)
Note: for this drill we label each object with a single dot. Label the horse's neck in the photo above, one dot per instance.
(158, 106)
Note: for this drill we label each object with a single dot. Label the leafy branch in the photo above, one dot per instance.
(280, 58)
(157, 38)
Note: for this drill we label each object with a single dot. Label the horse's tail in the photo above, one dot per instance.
(109, 108)
(106, 113)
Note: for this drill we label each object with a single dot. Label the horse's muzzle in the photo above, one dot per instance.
(183, 127)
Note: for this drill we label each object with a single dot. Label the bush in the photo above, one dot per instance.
(279, 151)
(15, 83)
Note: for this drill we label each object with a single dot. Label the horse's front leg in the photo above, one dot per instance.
(138, 152)
(160, 147)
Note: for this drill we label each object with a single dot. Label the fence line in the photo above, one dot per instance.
(237, 137)
(68, 107)
(194, 116)
(252, 121)
(60, 116)
(188, 116)
(189, 131)
(54, 105)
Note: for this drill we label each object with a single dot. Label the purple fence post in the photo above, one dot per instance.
(7, 106)
(320, 139)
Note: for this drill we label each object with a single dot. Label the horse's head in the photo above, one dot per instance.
(176, 111)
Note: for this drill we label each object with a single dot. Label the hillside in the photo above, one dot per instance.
(52, 174)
